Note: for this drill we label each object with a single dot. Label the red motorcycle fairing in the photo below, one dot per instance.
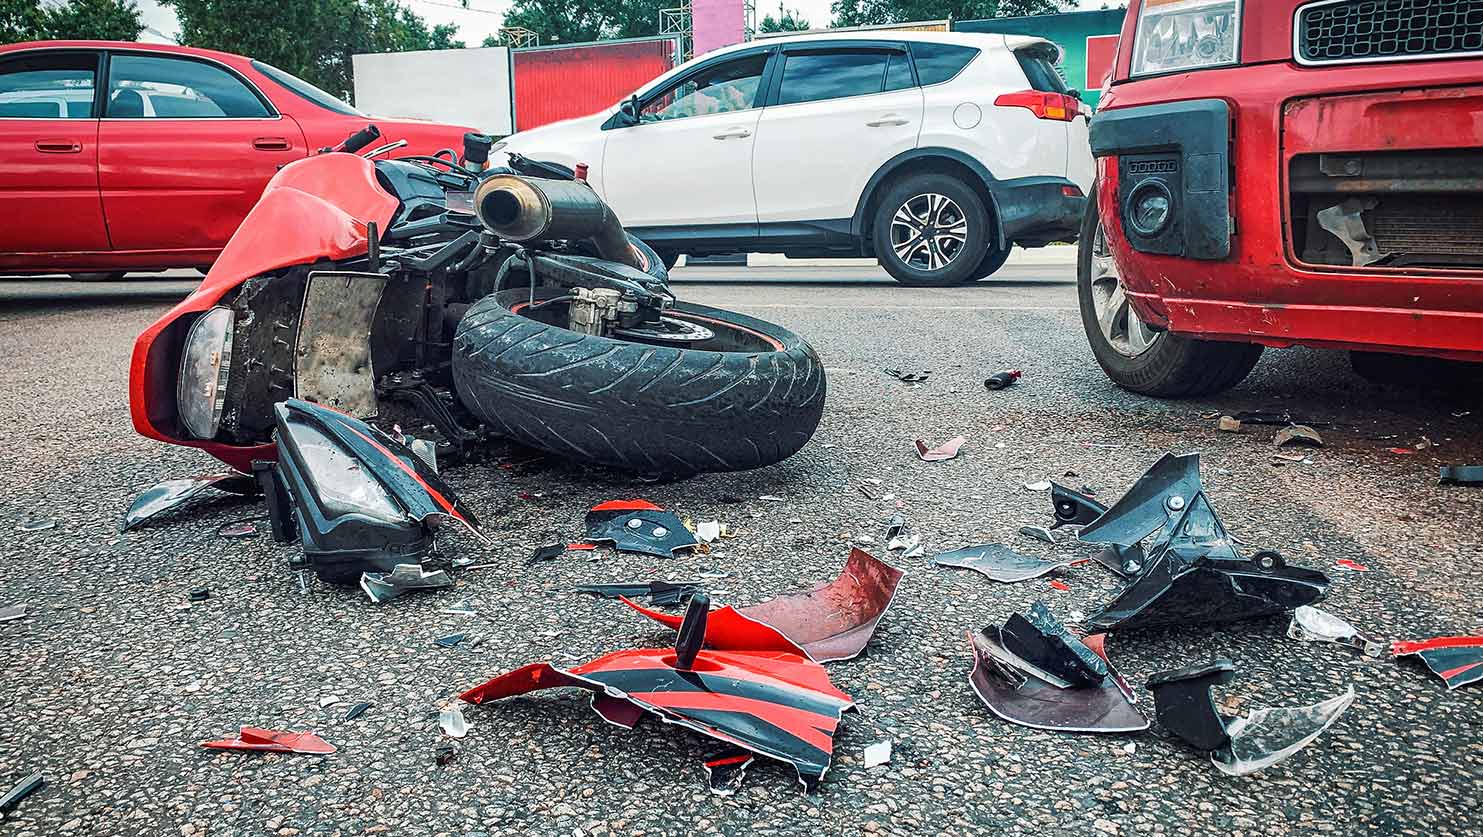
(317, 208)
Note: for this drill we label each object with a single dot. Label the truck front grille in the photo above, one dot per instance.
(1341, 31)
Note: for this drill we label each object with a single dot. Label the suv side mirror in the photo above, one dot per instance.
(1074, 93)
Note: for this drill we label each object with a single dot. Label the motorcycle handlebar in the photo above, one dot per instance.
(360, 139)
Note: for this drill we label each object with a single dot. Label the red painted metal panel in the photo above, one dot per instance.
(554, 83)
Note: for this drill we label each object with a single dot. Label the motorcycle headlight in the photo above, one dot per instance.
(1178, 35)
(201, 389)
(338, 480)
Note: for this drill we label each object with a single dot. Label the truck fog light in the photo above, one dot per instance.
(1149, 208)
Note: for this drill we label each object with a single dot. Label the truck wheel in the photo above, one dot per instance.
(750, 395)
(929, 230)
(1134, 356)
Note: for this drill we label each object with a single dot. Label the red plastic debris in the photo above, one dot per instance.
(626, 505)
(946, 450)
(1351, 565)
(581, 547)
(1060, 585)
(273, 741)
(1404, 451)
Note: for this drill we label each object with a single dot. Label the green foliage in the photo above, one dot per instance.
(874, 12)
(313, 39)
(573, 21)
(76, 20)
(788, 20)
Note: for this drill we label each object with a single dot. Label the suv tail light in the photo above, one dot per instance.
(1055, 106)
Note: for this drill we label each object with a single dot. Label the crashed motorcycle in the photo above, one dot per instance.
(463, 303)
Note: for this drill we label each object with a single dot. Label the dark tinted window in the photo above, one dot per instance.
(141, 86)
(1042, 74)
(898, 72)
(48, 86)
(940, 62)
(813, 76)
(723, 88)
(305, 90)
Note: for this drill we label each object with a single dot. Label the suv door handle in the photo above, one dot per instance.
(271, 144)
(58, 146)
(734, 133)
(889, 119)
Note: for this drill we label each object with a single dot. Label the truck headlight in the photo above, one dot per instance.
(201, 389)
(1178, 35)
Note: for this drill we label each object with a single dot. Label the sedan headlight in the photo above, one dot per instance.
(201, 389)
(1178, 35)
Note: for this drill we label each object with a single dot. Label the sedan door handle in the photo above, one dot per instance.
(271, 144)
(734, 133)
(887, 120)
(58, 146)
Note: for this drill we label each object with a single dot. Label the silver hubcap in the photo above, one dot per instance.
(928, 232)
(1120, 325)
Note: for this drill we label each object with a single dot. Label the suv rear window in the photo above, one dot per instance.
(939, 62)
(814, 76)
(1042, 74)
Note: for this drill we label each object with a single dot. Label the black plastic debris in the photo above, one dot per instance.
(659, 593)
(909, 377)
(549, 552)
(1237, 746)
(1461, 475)
(1001, 380)
(445, 753)
(170, 494)
(1072, 508)
(1192, 572)
(725, 771)
(356, 711)
(1278, 419)
(450, 641)
(200, 594)
(1124, 561)
(1039, 533)
(998, 562)
(1041, 640)
(638, 526)
(403, 579)
(1458, 660)
(1020, 692)
(1309, 624)
(21, 790)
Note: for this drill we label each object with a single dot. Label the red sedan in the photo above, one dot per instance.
(122, 156)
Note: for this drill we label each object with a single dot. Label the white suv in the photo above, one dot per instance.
(933, 152)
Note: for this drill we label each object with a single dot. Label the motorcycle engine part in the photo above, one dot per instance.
(1041, 640)
(333, 363)
(667, 330)
(594, 311)
(205, 366)
(1072, 508)
(529, 209)
(364, 502)
(638, 526)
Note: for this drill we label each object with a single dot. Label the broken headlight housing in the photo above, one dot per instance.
(1175, 35)
(205, 362)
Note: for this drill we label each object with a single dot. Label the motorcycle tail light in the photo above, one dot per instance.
(205, 363)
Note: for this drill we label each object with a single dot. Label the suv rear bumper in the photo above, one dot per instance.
(1034, 211)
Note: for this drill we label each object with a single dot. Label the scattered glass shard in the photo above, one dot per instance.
(452, 722)
(1039, 533)
(708, 530)
(32, 523)
(1043, 485)
(170, 494)
(998, 562)
(878, 754)
(1268, 736)
(383, 587)
(450, 641)
(725, 771)
(946, 450)
(1310, 624)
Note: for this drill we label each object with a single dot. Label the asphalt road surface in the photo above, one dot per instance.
(111, 681)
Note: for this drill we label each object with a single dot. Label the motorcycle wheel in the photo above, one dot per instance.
(748, 397)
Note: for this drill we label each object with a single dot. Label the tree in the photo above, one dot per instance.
(786, 21)
(313, 39)
(105, 20)
(573, 21)
(876, 12)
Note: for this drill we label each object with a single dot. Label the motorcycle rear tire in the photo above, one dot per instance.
(750, 397)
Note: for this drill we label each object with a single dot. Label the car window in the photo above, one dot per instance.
(815, 76)
(721, 89)
(1042, 74)
(305, 90)
(939, 62)
(48, 86)
(145, 86)
(898, 72)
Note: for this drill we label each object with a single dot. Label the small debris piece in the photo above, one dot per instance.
(946, 450)
(452, 722)
(773, 498)
(1291, 457)
(660, 593)
(1278, 419)
(878, 754)
(1405, 451)
(1461, 475)
(639, 526)
(1001, 380)
(725, 771)
(1073, 508)
(869, 495)
(1228, 424)
(273, 741)
(895, 526)
(21, 790)
(1297, 434)
(404, 578)
(31, 523)
(1043, 485)
(709, 530)
(909, 377)
(1020, 693)
(12, 613)
(998, 562)
(356, 711)
(328, 700)
(1310, 624)
(1458, 660)
(445, 753)
(1060, 585)
(580, 547)
(200, 594)
(908, 542)
(1039, 533)
(450, 641)
(549, 552)
(167, 495)
(240, 529)
(1351, 565)
(1041, 640)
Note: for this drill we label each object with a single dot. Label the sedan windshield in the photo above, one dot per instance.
(305, 90)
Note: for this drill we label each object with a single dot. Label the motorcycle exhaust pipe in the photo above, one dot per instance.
(524, 209)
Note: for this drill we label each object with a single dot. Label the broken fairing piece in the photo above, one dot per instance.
(1297, 434)
(21, 790)
(946, 450)
(12, 613)
(1192, 573)
(32, 523)
(452, 722)
(404, 578)
(1461, 475)
(909, 377)
(1039, 533)
(359, 500)
(725, 771)
(1237, 746)
(1124, 561)
(878, 754)
(273, 741)
(158, 499)
(1019, 693)
(1072, 508)
(771, 702)
(356, 711)
(1310, 624)
(638, 526)
(1001, 380)
(660, 593)
(832, 622)
(1458, 660)
(549, 552)
(998, 562)
(1042, 641)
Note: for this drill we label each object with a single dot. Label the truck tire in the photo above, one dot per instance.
(1164, 365)
(748, 397)
(945, 212)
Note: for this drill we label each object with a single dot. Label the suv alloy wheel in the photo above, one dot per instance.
(930, 230)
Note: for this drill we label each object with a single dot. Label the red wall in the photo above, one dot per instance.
(562, 82)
